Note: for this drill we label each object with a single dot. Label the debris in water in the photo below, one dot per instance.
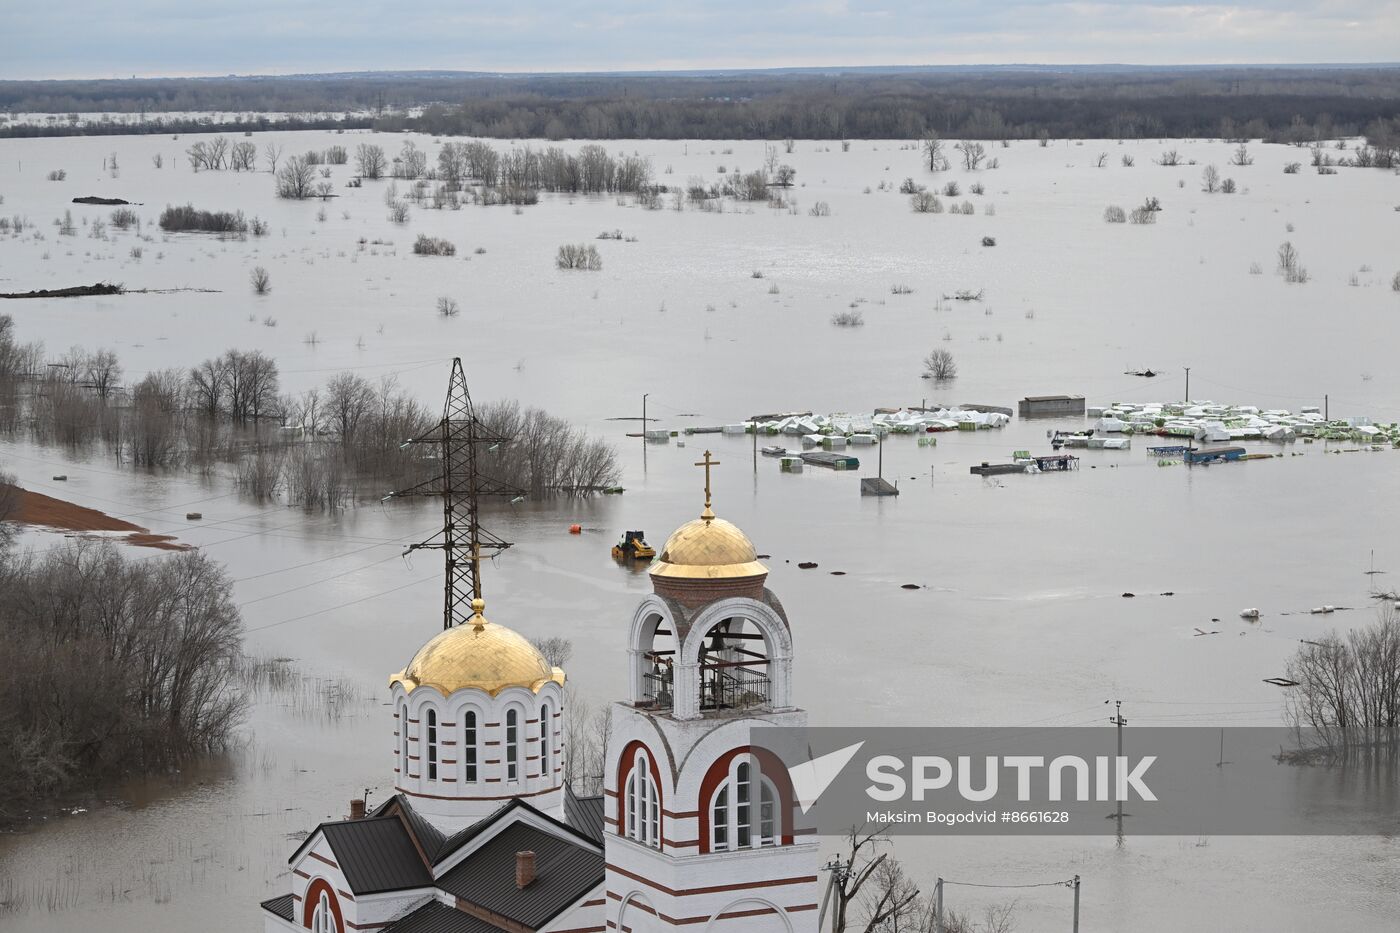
(911, 586)
(1249, 613)
(1280, 681)
(76, 291)
(1129, 595)
(806, 565)
(106, 202)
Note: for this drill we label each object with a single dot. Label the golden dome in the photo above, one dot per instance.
(708, 548)
(478, 655)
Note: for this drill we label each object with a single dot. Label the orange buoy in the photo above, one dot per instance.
(575, 529)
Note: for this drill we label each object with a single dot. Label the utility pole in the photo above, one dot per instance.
(1188, 385)
(644, 416)
(1326, 408)
(1076, 904)
(1120, 722)
(938, 906)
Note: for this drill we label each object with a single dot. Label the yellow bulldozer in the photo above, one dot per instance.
(633, 546)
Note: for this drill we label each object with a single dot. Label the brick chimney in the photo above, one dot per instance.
(357, 809)
(524, 869)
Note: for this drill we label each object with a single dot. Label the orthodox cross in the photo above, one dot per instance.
(707, 463)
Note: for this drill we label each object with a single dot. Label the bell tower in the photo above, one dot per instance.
(701, 825)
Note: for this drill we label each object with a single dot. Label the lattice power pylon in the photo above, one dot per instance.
(459, 437)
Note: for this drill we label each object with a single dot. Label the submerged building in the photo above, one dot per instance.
(694, 828)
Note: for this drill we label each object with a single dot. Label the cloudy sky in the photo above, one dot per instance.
(119, 38)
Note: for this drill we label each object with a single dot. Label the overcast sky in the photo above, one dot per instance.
(119, 38)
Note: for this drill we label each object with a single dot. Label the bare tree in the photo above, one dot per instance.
(102, 371)
(1348, 689)
(940, 366)
(1241, 156)
(861, 867)
(349, 398)
(925, 202)
(1101, 160)
(1289, 264)
(891, 904)
(262, 282)
(1210, 179)
(243, 156)
(370, 161)
(972, 154)
(785, 175)
(1170, 157)
(209, 385)
(272, 152)
(934, 156)
(587, 732)
(556, 650)
(296, 178)
(9, 505)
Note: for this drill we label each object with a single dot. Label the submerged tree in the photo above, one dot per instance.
(940, 366)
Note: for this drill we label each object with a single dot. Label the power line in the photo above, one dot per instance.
(345, 605)
(1039, 884)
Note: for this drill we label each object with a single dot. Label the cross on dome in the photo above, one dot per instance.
(708, 462)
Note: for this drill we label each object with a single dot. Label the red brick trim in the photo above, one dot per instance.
(713, 889)
(321, 858)
(538, 793)
(313, 898)
(770, 766)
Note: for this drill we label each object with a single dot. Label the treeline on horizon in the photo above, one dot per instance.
(1278, 104)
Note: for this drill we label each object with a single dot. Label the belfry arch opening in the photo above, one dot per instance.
(658, 662)
(735, 666)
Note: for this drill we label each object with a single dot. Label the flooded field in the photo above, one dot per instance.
(1019, 616)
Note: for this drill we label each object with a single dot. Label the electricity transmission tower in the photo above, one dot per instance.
(459, 437)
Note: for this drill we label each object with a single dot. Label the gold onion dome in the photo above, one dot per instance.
(708, 548)
(477, 655)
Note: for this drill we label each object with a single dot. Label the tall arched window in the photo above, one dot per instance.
(403, 739)
(545, 726)
(643, 803)
(323, 920)
(432, 744)
(512, 745)
(744, 810)
(469, 747)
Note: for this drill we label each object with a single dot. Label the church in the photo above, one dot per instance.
(695, 829)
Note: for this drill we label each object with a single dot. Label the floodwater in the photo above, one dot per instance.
(1020, 617)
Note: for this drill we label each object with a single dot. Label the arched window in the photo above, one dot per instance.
(643, 803)
(545, 726)
(744, 810)
(469, 747)
(432, 744)
(403, 739)
(512, 745)
(323, 920)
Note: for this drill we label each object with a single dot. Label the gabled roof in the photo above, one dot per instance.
(565, 870)
(436, 917)
(376, 854)
(584, 814)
